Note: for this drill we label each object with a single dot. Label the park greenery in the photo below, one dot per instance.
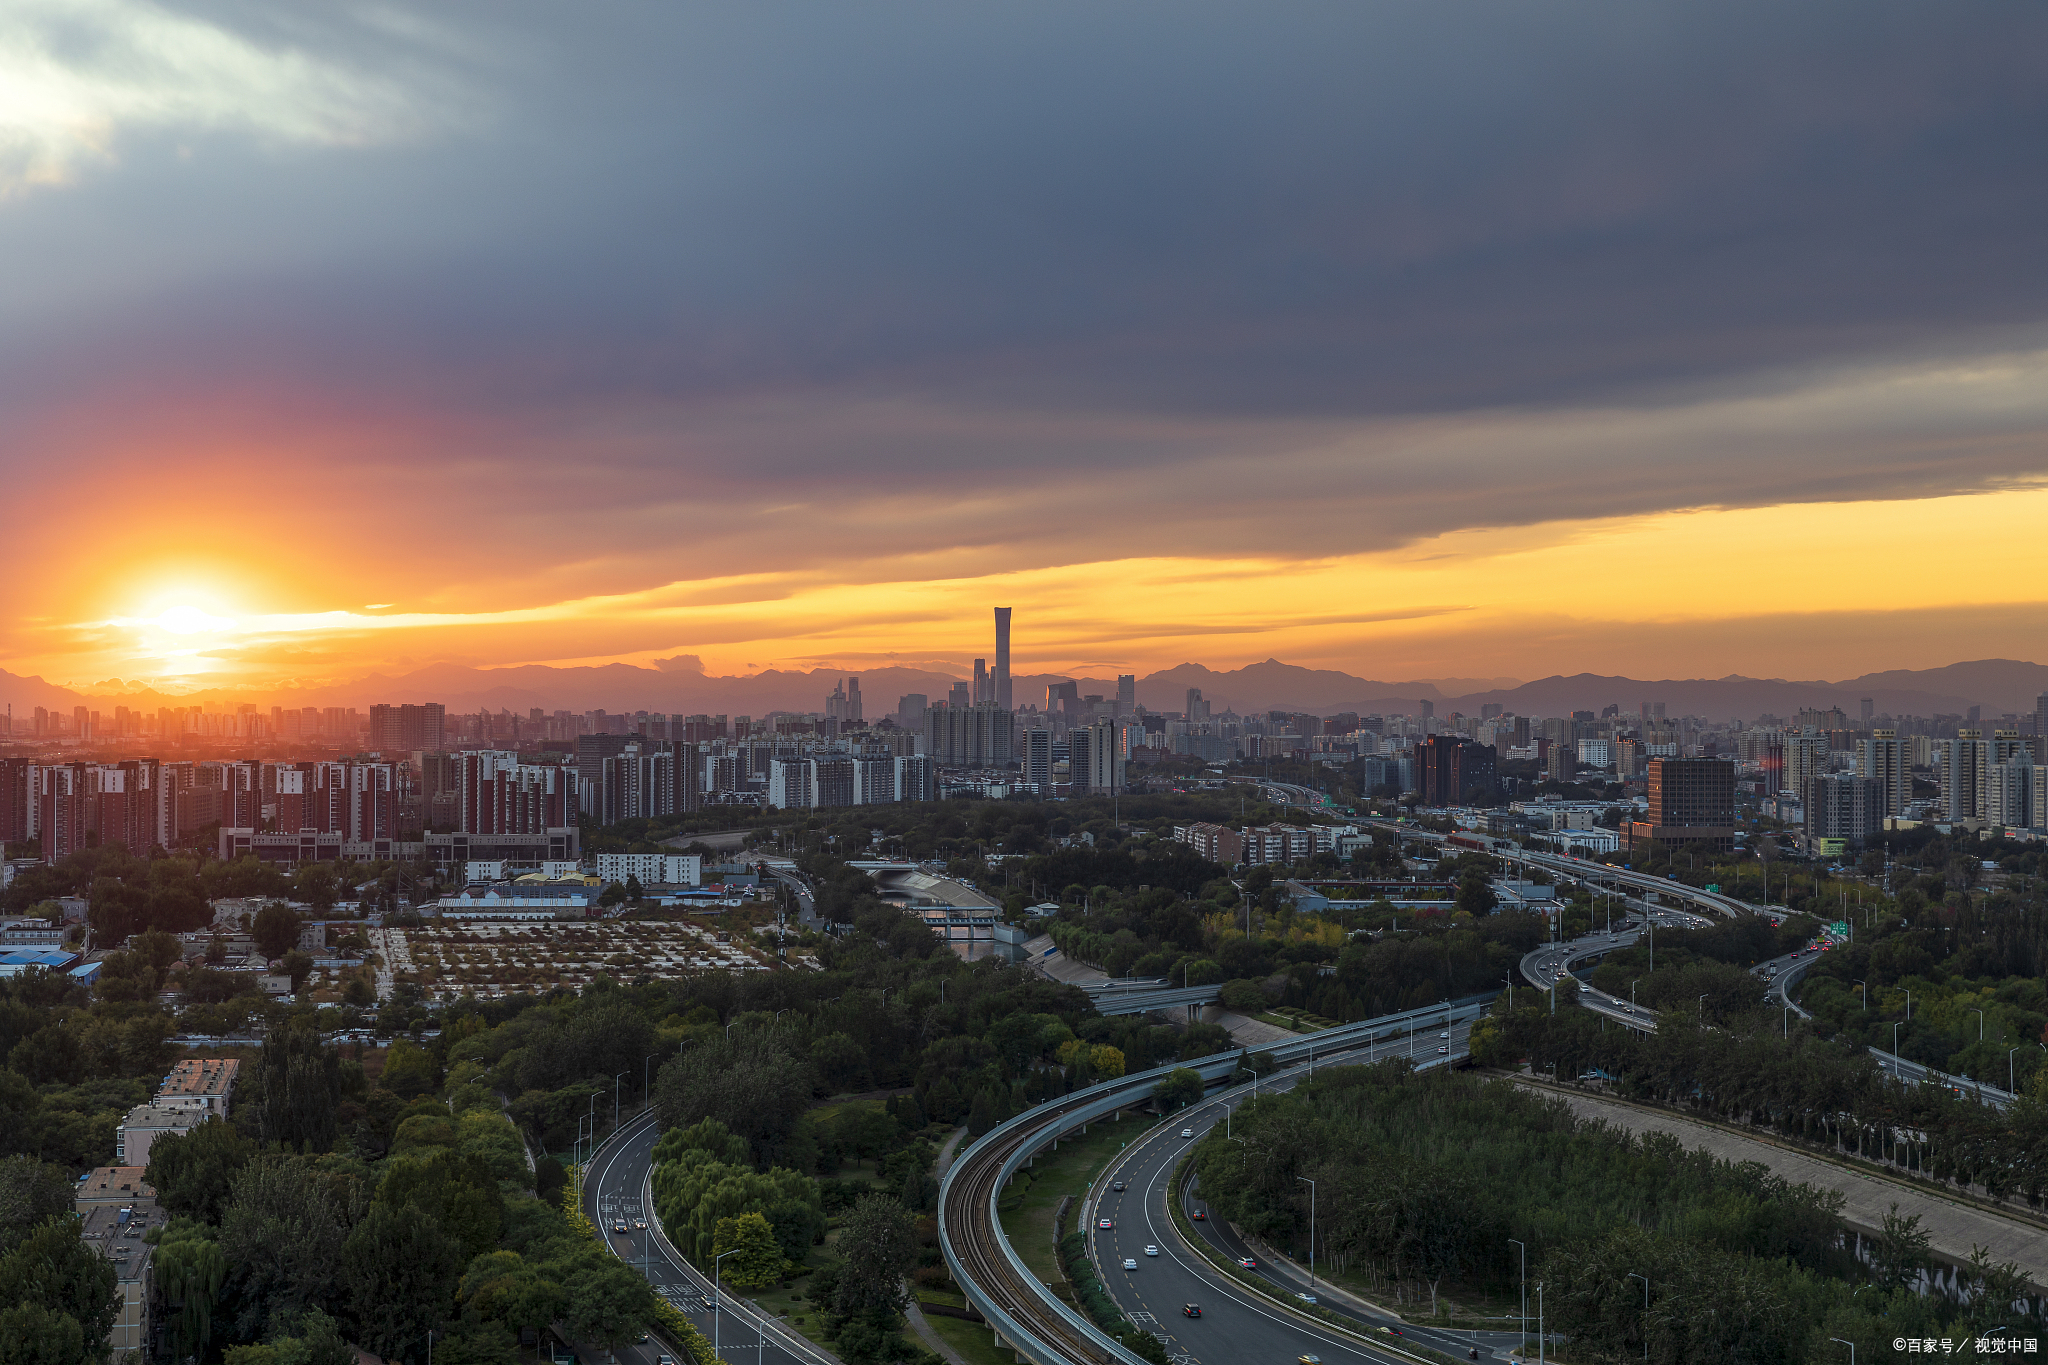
(1425, 1181)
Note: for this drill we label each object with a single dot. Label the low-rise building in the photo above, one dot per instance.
(652, 869)
(116, 1231)
(146, 1123)
(204, 1083)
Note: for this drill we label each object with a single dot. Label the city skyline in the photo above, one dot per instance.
(1379, 341)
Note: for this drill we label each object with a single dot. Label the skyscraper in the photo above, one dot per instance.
(2041, 729)
(1003, 658)
(1869, 709)
(984, 686)
(1884, 760)
(1126, 694)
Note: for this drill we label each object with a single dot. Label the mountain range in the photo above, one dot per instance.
(681, 685)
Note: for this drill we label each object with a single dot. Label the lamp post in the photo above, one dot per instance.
(1863, 993)
(1525, 1295)
(647, 1078)
(1646, 1311)
(1311, 1228)
(1539, 1322)
(2010, 1087)
(615, 1098)
(1848, 1343)
(1980, 1024)
(717, 1263)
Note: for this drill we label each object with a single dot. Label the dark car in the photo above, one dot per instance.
(1118, 1187)
(1191, 1310)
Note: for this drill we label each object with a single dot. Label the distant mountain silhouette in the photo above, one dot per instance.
(680, 684)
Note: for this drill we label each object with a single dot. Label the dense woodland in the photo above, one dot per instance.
(1424, 1179)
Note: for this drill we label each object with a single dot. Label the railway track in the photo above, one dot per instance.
(974, 1236)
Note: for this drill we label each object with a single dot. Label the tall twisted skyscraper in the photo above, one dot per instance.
(1003, 658)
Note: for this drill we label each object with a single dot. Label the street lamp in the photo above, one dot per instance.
(1646, 1311)
(615, 1098)
(1980, 1024)
(716, 1263)
(1848, 1343)
(1311, 1228)
(2010, 1087)
(1525, 1295)
(1863, 992)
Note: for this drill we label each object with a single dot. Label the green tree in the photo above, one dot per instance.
(756, 1262)
(409, 1070)
(400, 1270)
(460, 1193)
(873, 1280)
(294, 1088)
(31, 1334)
(275, 929)
(1178, 1088)
(53, 1270)
(981, 1115)
(748, 1083)
(297, 965)
(282, 1236)
(193, 1171)
(190, 1269)
(30, 1191)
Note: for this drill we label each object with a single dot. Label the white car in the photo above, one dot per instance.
(1130, 1264)
(1187, 1132)
(1151, 1251)
(1445, 1034)
(1306, 1298)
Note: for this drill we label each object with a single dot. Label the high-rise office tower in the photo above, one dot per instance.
(1036, 752)
(853, 711)
(1003, 658)
(984, 688)
(2041, 729)
(1126, 694)
(1428, 708)
(1869, 709)
(958, 697)
(1197, 710)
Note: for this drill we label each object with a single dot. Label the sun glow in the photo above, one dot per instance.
(189, 620)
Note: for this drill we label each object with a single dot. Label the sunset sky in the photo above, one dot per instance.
(1467, 340)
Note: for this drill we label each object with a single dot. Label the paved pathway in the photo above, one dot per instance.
(1953, 1228)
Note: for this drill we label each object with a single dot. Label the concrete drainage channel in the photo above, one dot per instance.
(1020, 1311)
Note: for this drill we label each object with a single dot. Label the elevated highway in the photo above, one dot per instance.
(1021, 1311)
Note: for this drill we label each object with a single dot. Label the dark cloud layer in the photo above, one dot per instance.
(767, 252)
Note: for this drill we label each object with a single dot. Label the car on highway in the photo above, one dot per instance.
(1443, 1047)
(1311, 1358)
(640, 1224)
(1187, 1132)
(1104, 1224)
(1191, 1310)
(1130, 1264)
(1118, 1187)
(1305, 1297)
(1151, 1250)
(664, 1359)
(1445, 1034)
(619, 1226)
(1199, 1216)
(1247, 1263)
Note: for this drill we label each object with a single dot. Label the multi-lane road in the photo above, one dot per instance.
(1235, 1324)
(617, 1190)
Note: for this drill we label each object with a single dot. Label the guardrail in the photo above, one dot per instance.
(1058, 1117)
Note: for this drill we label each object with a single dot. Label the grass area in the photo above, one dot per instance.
(971, 1340)
(1028, 1213)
